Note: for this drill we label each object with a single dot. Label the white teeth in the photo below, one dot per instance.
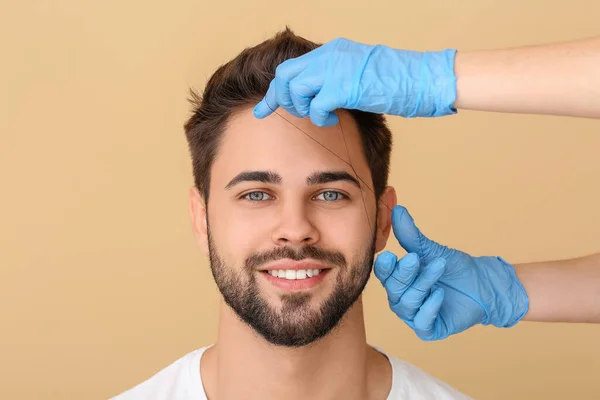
(290, 274)
(293, 274)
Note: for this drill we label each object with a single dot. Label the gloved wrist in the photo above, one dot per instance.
(509, 302)
(519, 298)
(431, 90)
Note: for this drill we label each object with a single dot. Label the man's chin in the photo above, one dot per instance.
(289, 306)
(299, 333)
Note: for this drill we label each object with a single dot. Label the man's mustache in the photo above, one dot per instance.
(331, 257)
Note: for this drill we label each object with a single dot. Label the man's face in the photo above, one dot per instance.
(289, 232)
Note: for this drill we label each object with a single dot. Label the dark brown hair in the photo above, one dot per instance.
(243, 82)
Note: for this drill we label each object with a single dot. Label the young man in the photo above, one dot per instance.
(290, 215)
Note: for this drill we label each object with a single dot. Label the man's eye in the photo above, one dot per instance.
(330, 196)
(257, 196)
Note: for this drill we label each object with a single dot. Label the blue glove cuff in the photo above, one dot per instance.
(519, 298)
(436, 93)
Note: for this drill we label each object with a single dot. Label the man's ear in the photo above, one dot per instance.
(387, 201)
(199, 222)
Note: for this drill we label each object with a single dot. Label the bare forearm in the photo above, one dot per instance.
(557, 79)
(562, 291)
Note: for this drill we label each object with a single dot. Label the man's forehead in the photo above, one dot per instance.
(292, 147)
(283, 136)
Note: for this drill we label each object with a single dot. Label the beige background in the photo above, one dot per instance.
(101, 284)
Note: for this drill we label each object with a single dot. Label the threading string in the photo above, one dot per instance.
(355, 173)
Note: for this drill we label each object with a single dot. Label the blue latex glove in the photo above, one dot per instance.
(439, 291)
(350, 75)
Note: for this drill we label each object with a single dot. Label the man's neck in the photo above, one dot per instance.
(341, 365)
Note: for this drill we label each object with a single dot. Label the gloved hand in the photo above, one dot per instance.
(350, 75)
(453, 291)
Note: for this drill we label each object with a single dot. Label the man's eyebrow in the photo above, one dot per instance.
(255, 176)
(321, 177)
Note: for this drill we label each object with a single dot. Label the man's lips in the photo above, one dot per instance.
(294, 265)
(288, 274)
(295, 279)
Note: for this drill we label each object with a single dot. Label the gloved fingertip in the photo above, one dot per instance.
(409, 260)
(399, 213)
(322, 120)
(384, 265)
(429, 338)
(439, 293)
(317, 120)
(262, 109)
(387, 257)
(399, 209)
(332, 119)
(303, 111)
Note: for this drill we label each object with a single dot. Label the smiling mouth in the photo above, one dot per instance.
(294, 274)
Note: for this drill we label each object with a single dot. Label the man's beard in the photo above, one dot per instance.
(296, 324)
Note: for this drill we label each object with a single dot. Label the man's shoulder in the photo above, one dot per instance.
(411, 382)
(179, 380)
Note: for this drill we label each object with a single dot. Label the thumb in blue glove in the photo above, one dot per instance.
(350, 75)
(453, 291)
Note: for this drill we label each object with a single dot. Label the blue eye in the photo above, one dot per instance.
(257, 196)
(330, 195)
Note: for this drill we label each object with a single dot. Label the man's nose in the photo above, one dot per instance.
(295, 226)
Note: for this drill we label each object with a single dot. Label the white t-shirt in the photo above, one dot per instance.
(182, 381)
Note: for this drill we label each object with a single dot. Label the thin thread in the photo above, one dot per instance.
(355, 173)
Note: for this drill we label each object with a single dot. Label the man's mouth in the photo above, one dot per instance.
(294, 274)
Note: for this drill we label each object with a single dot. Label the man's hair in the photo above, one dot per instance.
(243, 82)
